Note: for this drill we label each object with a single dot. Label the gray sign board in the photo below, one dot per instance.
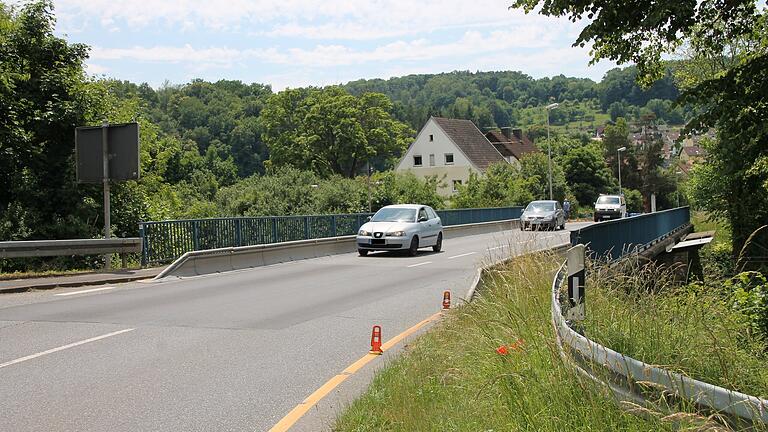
(122, 152)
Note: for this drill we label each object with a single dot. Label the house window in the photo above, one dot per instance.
(417, 160)
(449, 158)
(456, 184)
(431, 160)
(431, 137)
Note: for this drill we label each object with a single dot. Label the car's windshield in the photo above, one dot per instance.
(608, 200)
(389, 214)
(540, 206)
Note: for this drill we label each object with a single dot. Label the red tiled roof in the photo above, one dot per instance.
(470, 140)
(513, 146)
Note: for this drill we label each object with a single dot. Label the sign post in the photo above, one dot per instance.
(576, 280)
(107, 153)
(105, 180)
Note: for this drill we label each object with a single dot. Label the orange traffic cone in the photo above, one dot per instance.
(376, 341)
(447, 300)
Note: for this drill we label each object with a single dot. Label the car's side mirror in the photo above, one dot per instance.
(368, 218)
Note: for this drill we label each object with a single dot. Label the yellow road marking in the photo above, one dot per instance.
(292, 417)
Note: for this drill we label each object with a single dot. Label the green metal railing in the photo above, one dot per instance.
(164, 241)
(612, 239)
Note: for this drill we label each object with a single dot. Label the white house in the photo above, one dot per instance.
(450, 149)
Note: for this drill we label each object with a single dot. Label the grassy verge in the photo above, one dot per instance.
(453, 379)
(692, 329)
(43, 273)
(689, 329)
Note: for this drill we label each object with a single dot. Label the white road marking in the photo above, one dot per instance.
(462, 255)
(420, 264)
(85, 291)
(63, 347)
(497, 247)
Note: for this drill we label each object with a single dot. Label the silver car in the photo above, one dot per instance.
(401, 227)
(543, 214)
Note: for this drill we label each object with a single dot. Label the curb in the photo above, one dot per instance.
(52, 284)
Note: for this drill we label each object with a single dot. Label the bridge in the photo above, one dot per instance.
(239, 350)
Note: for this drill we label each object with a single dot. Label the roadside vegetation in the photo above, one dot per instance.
(713, 328)
(458, 377)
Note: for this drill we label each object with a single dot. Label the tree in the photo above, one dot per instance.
(731, 92)
(330, 131)
(587, 174)
(501, 185)
(44, 95)
(534, 166)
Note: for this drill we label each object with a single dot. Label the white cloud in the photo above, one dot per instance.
(95, 69)
(472, 43)
(221, 57)
(331, 19)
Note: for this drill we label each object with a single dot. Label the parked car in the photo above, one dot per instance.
(610, 207)
(543, 214)
(401, 227)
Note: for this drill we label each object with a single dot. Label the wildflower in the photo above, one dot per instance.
(502, 350)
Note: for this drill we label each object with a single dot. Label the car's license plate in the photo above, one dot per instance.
(377, 241)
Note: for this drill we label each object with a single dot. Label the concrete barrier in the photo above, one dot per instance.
(238, 258)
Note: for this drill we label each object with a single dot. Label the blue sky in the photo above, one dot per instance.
(293, 43)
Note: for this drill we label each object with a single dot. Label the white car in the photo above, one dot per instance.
(401, 227)
(610, 207)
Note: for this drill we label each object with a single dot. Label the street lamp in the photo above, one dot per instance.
(618, 160)
(549, 147)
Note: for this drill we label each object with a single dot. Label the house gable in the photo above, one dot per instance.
(433, 140)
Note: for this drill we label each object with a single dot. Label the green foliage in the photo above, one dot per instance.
(586, 172)
(735, 172)
(500, 99)
(725, 77)
(44, 94)
(403, 188)
(289, 191)
(502, 185)
(329, 131)
(634, 200)
(749, 295)
(640, 312)
(225, 113)
(534, 168)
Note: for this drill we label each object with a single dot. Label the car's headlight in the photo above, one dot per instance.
(363, 233)
(396, 234)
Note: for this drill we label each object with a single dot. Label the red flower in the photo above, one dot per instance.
(502, 350)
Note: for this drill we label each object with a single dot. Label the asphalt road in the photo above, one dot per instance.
(228, 352)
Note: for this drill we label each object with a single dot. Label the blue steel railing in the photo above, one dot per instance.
(164, 241)
(612, 239)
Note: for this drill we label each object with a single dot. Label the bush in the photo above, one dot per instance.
(749, 296)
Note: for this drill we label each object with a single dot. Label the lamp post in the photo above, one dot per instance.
(618, 160)
(549, 147)
(369, 170)
(677, 186)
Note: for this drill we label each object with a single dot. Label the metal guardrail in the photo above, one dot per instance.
(632, 380)
(629, 379)
(164, 241)
(238, 258)
(612, 239)
(44, 248)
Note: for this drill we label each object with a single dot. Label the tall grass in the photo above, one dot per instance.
(638, 311)
(453, 379)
